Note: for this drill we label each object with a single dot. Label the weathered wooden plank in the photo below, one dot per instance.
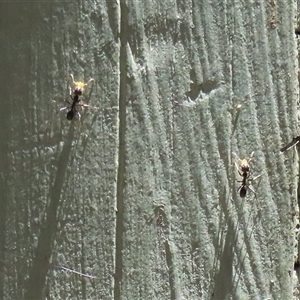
(147, 202)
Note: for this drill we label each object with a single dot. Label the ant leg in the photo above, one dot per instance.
(237, 167)
(236, 156)
(69, 101)
(87, 105)
(62, 101)
(70, 93)
(250, 157)
(240, 172)
(79, 115)
(81, 105)
(239, 187)
(72, 77)
(251, 188)
(61, 109)
(91, 80)
(257, 176)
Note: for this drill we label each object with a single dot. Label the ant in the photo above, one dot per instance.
(244, 171)
(75, 96)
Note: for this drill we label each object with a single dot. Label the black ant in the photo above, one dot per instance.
(244, 186)
(244, 171)
(75, 96)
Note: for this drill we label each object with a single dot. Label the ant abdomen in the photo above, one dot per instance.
(243, 192)
(70, 115)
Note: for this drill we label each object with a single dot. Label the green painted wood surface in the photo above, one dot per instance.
(140, 196)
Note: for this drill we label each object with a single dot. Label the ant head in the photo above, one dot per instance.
(245, 167)
(70, 115)
(79, 86)
(78, 91)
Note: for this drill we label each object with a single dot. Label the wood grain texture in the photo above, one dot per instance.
(138, 199)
